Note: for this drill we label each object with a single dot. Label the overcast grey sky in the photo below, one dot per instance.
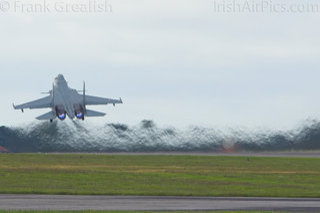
(178, 62)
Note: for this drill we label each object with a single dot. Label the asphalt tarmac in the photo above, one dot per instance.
(155, 203)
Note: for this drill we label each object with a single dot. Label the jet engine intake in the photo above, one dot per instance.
(79, 115)
(79, 112)
(62, 116)
(61, 112)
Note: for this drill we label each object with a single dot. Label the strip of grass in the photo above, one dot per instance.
(84, 174)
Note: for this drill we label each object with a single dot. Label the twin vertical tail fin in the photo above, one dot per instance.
(84, 97)
(89, 113)
(52, 96)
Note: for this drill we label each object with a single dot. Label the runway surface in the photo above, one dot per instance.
(70, 202)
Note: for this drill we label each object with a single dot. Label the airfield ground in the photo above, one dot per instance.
(136, 211)
(164, 175)
(92, 211)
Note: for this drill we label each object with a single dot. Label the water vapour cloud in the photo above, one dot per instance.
(148, 137)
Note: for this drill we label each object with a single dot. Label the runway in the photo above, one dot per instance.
(155, 203)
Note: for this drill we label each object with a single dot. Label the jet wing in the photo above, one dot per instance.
(92, 100)
(37, 104)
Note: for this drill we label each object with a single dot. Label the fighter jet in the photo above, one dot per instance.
(65, 101)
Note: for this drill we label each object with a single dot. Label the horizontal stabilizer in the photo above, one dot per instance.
(47, 116)
(91, 113)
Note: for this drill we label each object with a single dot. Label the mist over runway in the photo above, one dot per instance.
(148, 137)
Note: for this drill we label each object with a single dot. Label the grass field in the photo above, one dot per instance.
(159, 175)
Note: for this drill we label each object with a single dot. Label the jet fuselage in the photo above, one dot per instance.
(67, 101)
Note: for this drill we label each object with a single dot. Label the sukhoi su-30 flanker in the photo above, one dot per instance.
(65, 101)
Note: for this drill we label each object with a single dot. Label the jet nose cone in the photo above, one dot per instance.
(60, 77)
